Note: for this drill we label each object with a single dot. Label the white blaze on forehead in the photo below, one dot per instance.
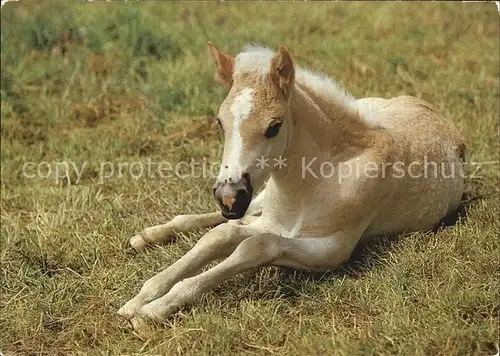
(242, 105)
(241, 108)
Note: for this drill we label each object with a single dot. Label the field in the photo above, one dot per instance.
(94, 93)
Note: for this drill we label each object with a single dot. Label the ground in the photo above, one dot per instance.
(93, 93)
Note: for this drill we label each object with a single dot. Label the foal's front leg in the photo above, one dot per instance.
(218, 243)
(316, 254)
(160, 234)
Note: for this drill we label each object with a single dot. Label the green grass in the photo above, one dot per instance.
(93, 83)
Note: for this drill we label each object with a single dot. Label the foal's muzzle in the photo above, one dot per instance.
(234, 198)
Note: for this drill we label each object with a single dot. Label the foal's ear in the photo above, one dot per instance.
(224, 64)
(282, 71)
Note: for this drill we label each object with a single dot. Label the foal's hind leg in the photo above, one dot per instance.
(161, 234)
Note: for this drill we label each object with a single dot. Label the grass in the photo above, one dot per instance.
(114, 83)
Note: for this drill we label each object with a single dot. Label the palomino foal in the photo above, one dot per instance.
(336, 171)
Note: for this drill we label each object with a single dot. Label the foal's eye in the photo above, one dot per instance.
(273, 130)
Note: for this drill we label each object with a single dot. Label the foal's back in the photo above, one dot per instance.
(422, 138)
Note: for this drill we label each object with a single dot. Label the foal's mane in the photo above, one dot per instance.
(256, 60)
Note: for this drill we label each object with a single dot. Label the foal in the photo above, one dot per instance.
(336, 171)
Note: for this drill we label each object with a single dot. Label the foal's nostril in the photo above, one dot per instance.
(246, 177)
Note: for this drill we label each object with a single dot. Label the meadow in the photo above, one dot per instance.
(91, 93)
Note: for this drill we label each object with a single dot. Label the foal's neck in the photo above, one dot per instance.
(334, 127)
(323, 129)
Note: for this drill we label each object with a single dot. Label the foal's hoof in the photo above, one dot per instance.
(130, 308)
(138, 242)
(126, 312)
(144, 324)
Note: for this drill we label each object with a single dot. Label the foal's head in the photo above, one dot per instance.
(255, 120)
